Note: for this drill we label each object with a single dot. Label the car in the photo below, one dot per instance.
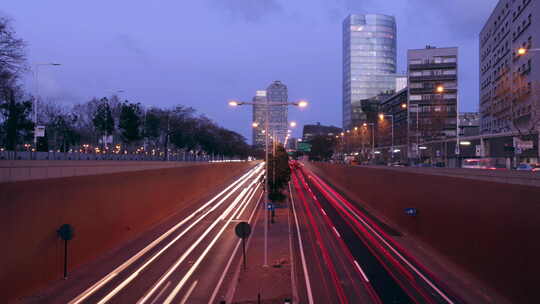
(524, 167)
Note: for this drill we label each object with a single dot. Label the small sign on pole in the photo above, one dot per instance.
(66, 233)
(243, 230)
(40, 131)
(411, 211)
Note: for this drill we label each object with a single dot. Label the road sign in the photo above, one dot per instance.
(304, 147)
(411, 211)
(40, 131)
(271, 206)
(65, 232)
(243, 230)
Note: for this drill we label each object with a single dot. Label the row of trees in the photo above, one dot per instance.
(94, 123)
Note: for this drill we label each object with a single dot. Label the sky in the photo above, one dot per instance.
(204, 53)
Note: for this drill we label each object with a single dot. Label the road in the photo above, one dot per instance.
(182, 264)
(346, 257)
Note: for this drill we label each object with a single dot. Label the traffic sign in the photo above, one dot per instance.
(243, 230)
(411, 211)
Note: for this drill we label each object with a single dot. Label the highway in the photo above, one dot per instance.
(184, 263)
(346, 257)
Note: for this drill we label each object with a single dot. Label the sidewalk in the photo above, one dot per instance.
(272, 283)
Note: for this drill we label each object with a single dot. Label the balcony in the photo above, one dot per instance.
(432, 78)
(433, 66)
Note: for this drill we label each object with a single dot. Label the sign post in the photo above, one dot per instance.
(65, 232)
(243, 230)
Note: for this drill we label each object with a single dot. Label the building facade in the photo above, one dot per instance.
(369, 62)
(433, 92)
(259, 101)
(510, 81)
(277, 123)
(310, 131)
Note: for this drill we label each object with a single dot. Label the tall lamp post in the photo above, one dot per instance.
(372, 125)
(381, 117)
(36, 75)
(267, 105)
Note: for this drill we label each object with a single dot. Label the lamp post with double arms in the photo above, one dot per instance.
(267, 105)
(36, 75)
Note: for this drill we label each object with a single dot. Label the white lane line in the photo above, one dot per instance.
(89, 291)
(190, 249)
(194, 267)
(335, 230)
(226, 270)
(133, 275)
(161, 292)
(361, 271)
(188, 293)
(324, 212)
(302, 255)
(186, 253)
(395, 252)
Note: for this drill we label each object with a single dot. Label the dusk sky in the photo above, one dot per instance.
(203, 53)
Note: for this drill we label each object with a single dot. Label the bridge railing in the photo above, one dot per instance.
(181, 156)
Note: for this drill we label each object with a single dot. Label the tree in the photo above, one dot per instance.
(12, 54)
(16, 123)
(103, 120)
(130, 122)
(279, 173)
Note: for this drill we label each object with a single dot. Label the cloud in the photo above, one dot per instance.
(248, 10)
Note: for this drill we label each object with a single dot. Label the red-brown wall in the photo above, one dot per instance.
(105, 210)
(491, 229)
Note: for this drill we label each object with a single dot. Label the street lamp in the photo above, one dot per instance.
(365, 125)
(523, 51)
(292, 124)
(382, 116)
(255, 124)
(36, 74)
(267, 105)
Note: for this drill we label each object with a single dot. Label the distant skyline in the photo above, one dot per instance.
(203, 53)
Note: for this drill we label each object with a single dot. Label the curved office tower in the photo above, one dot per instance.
(369, 62)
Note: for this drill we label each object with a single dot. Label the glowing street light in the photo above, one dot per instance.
(302, 104)
(234, 103)
(403, 105)
(292, 124)
(522, 51)
(440, 89)
(255, 124)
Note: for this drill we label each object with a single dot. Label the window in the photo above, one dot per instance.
(449, 72)
(416, 97)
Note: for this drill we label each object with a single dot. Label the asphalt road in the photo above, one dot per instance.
(183, 263)
(348, 257)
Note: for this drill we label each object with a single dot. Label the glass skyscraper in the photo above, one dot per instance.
(369, 62)
(275, 93)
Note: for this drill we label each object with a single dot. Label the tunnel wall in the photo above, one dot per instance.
(105, 211)
(491, 229)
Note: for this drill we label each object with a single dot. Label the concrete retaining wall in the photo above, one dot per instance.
(20, 170)
(489, 228)
(105, 210)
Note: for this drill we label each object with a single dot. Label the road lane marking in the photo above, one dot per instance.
(188, 293)
(191, 248)
(361, 271)
(385, 242)
(226, 270)
(236, 184)
(194, 267)
(302, 255)
(161, 292)
(335, 230)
